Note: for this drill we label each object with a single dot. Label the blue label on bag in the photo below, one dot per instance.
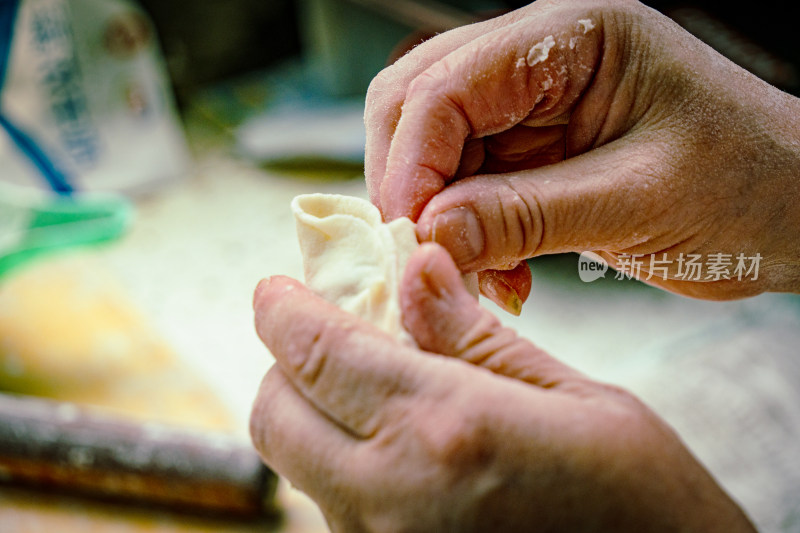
(26, 144)
(61, 79)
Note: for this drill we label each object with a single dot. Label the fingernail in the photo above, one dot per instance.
(438, 272)
(503, 295)
(471, 283)
(260, 288)
(460, 232)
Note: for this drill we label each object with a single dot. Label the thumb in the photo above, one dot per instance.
(444, 318)
(601, 200)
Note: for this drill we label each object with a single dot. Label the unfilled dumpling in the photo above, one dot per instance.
(354, 260)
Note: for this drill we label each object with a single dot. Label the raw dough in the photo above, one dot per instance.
(354, 260)
(70, 332)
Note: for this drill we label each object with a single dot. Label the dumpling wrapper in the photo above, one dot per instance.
(354, 260)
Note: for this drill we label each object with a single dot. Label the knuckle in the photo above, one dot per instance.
(384, 98)
(482, 337)
(312, 348)
(432, 79)
(511, 219)
(524, 219)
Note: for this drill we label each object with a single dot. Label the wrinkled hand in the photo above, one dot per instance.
(477, 431)
(589, 125)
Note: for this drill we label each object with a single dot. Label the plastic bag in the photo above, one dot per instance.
(84, 98)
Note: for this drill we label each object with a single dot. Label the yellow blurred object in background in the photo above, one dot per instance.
(69, 332)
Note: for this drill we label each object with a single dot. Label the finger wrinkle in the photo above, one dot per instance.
(297, 440)
(422, 301)
(479, 335)
(504, 352)
(435, 296)
(308, 350)
(530, 219)
(295, 331)
(406, 192)
(522, 216)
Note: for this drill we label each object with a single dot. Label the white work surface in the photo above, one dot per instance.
(725, 375)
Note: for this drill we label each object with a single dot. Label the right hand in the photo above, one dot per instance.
(631, 137)
(477, 430)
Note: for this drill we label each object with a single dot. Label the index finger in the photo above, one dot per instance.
(531, 71)
(349, 370)
(388, 91)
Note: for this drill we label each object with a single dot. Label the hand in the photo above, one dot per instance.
(589, 125)
(478, 430)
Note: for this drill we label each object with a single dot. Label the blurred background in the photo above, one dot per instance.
(200, 47)
(148, 155)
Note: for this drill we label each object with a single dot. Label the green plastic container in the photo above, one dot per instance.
(32, 226)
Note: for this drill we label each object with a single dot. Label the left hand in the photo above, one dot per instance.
(624, 135)
(478, 430)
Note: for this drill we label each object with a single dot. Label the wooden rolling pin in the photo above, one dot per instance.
(60, 445)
